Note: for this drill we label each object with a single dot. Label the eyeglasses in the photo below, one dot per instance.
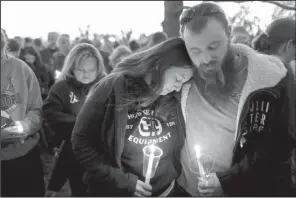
(188, 13)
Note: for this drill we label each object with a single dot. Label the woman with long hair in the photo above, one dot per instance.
(82, 68)
(43, 73)
(137, 105)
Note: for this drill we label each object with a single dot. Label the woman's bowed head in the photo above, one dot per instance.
(83, 63)
(163, 67)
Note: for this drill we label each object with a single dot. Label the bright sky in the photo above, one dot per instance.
(37, 18)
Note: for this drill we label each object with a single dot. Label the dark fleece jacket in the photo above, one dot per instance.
(98, 141)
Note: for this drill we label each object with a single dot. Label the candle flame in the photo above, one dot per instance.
(197, 151)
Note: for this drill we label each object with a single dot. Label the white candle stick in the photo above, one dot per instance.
(149, 168)
(198, 155)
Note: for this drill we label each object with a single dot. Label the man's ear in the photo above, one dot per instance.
(289, 46)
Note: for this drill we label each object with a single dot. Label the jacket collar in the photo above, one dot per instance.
(264, 71)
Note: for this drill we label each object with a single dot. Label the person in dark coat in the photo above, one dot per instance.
(83, 67)
(50, 49)
(137, 105)
(279, 40)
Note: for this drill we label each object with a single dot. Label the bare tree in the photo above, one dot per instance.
(172, 12)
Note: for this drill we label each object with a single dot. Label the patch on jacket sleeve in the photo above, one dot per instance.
(261, 108)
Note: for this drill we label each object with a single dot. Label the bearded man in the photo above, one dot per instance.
(234, 110)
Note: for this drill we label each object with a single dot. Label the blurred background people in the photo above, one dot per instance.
(278, 39)
(13, 48)
(158, 37)
(50, 49)
(134, 46)
(28, 42)
(64, 48)
(155, 39)
(43, 73)
(240, 35)
(118, 54)
(82, 68)
(38, 44)
(20, 40)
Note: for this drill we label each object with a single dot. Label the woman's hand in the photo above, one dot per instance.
(143, 189)
(15, 133)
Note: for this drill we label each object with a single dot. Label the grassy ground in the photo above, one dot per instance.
(47, 162)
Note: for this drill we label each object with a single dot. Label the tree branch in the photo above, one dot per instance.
(281, 5)
(272, 2)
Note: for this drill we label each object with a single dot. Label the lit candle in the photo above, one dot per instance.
(198, 155)
(150, 163)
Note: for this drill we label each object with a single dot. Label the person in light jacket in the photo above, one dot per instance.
(21, 119)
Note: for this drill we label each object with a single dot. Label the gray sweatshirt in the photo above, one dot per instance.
(21, 99)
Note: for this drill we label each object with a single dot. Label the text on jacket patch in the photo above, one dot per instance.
(258, 111)
(73, 98)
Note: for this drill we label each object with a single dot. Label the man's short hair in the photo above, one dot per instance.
(197, 17)
(28, 40)
(134, 46)
(13, 45)
(37, 42)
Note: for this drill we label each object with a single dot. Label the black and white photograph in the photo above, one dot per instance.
(148, 99)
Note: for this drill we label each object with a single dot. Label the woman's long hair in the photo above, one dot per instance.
(43, 72)
(76, 56)
(154, 61)
(38, 65)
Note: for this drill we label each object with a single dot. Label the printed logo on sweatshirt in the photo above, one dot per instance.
(149, 129)
(9, 99)
(73, 98)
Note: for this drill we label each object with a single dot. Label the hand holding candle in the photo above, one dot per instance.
(151, 156)
(201, 165)
(149, 169)
(198, 155)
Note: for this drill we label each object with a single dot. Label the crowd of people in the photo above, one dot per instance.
(95, 110)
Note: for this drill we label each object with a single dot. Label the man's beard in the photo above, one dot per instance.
(216, 79)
